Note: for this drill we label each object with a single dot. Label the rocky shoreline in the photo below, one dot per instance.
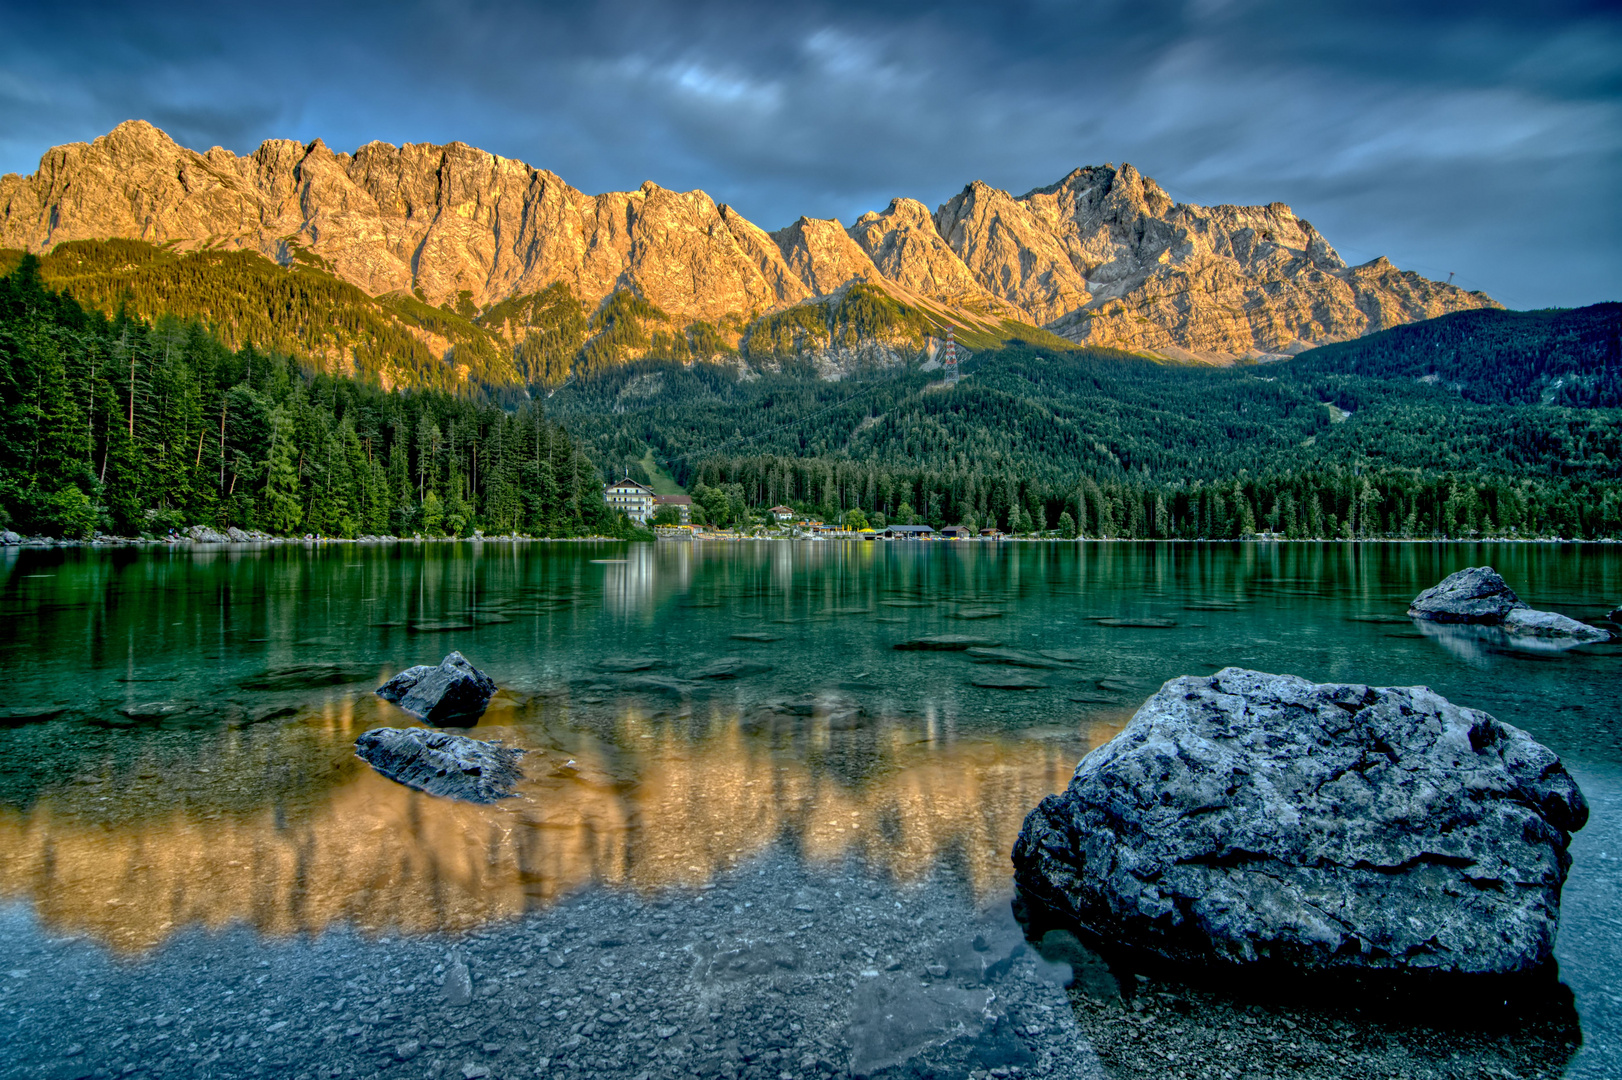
(10, 539)
(199, 535)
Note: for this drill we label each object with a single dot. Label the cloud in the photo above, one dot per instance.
(1483, 138)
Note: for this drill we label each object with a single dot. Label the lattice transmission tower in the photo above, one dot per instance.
(950, 356)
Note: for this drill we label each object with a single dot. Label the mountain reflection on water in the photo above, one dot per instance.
(649, 808)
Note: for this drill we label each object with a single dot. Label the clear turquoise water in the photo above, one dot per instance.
(176, 748)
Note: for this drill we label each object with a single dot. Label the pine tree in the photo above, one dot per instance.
(283, 509)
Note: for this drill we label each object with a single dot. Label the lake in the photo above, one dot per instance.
(754, 838)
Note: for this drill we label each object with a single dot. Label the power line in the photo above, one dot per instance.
(957, 354)
(781, 427)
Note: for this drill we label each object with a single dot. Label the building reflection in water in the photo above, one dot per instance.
(632, 583)
(636, 801)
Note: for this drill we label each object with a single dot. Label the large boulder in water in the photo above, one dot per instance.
(455, 689)
(1249, 817)
(1476, 594)
(453, 766)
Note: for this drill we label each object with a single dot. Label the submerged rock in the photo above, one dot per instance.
(1251, 817)
(1012, 657)
(1548, 624)
(948, 643)
(439, 763)
(731, 667)
(306, 676)
(1480, 596)
(626, 664)
(893, 1019)
(1008, 680)
(454, 689)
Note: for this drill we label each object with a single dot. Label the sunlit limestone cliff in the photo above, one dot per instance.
(1104, 257)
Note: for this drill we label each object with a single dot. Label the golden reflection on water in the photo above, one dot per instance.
(647, 808)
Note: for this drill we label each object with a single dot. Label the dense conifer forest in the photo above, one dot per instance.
(131, 427)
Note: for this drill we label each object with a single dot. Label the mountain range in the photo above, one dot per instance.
(489, 263)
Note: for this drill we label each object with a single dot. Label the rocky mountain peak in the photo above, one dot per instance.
(1103, 256)
(823, 255)
(908, 249)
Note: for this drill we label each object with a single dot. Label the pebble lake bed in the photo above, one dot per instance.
(764, 828)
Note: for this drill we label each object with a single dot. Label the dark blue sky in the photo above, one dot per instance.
(1482, 138)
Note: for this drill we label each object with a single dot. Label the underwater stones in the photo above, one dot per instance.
(1478, 595)
(439, 763)
(1245, 817)
(453, 689)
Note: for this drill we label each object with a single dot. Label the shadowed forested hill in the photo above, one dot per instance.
(1480, 422)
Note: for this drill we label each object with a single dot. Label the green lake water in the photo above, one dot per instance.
(177, 730)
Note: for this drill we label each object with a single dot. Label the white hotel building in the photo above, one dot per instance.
(635, 499)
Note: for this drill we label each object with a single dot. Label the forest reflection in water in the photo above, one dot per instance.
(639, 800)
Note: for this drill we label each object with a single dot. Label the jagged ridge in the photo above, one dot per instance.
(1103, 257)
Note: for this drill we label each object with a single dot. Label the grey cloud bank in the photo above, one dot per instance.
(1484, 140)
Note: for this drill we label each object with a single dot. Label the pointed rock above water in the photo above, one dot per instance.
(455, 689)
(1477, 594)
